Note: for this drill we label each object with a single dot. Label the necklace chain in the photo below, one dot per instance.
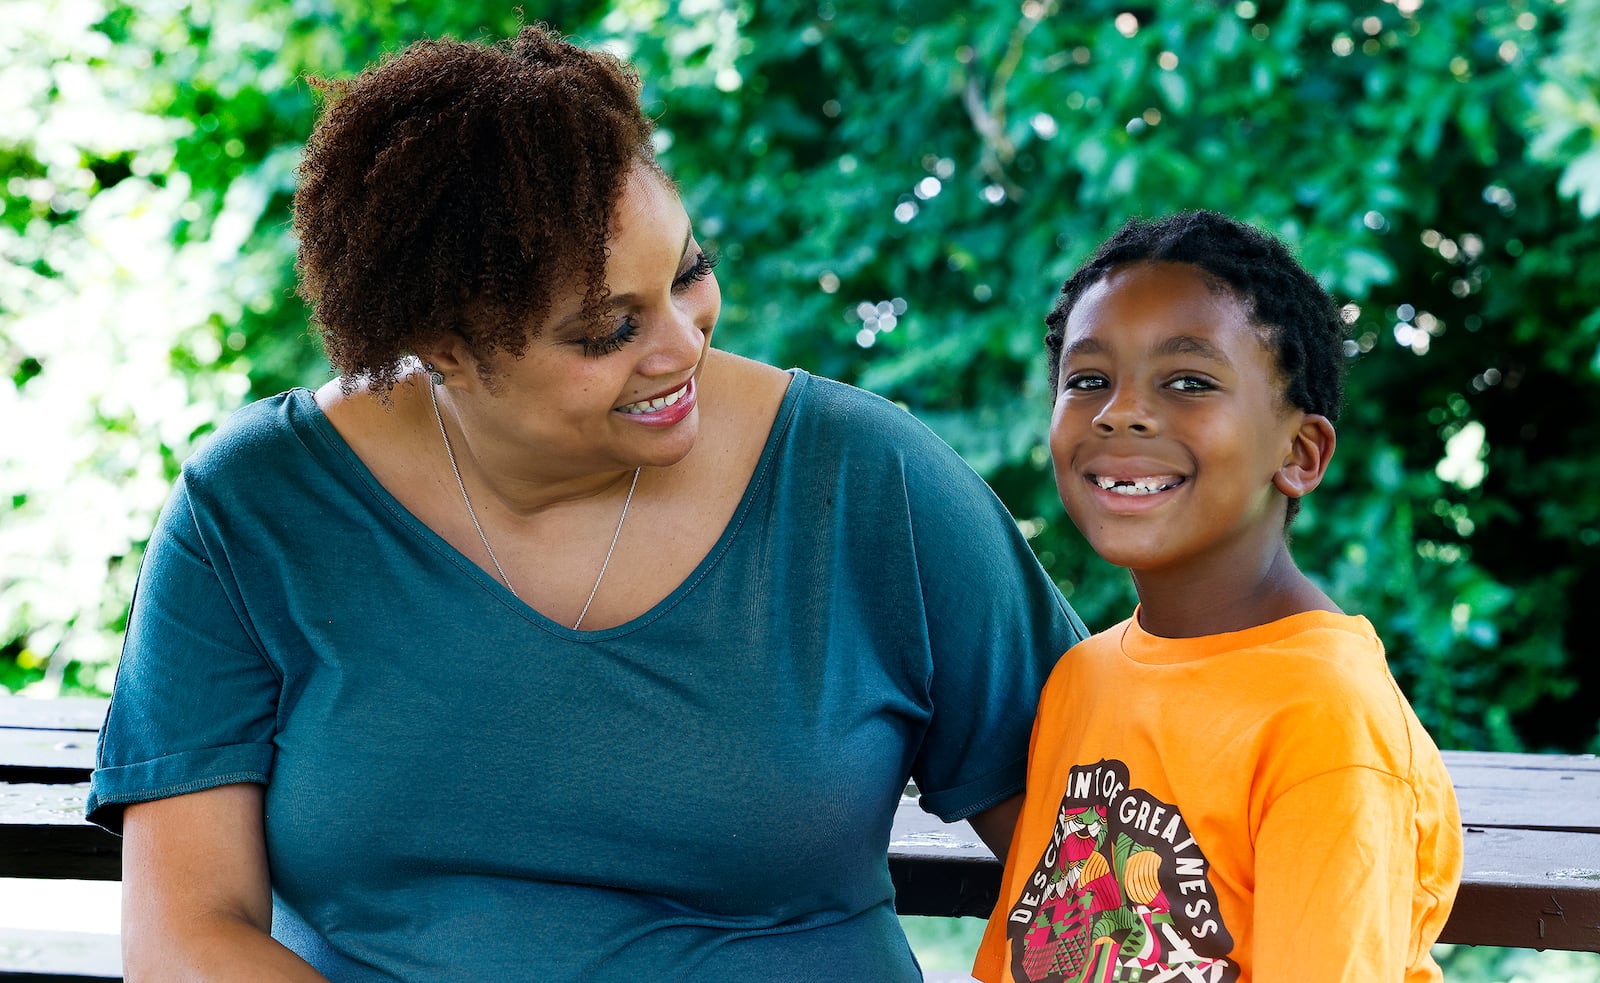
(473, 514)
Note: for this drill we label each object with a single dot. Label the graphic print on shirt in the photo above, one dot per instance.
(1122, 893)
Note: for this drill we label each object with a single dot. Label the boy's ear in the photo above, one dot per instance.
(1309, 453)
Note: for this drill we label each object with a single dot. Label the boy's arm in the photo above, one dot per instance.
(995, 825)
(1335, 880)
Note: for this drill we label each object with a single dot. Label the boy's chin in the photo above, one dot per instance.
(1129, 556)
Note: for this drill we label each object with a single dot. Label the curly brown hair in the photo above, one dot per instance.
(451, 188)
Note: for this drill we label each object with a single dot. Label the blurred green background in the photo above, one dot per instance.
(897, 190)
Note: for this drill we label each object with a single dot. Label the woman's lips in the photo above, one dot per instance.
(664, 409)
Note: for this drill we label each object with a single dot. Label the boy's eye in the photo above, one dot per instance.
(1190, 384)
(698, 270)
(609, 343)
(1084, 381)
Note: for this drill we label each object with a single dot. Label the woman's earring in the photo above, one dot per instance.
(434, 375)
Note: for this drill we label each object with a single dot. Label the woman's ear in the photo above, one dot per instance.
(1310, 450)
(449, 357)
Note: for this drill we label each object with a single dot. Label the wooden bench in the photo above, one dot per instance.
(1532, 826)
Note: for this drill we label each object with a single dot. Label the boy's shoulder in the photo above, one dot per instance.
(1325, 640)
(1325, 698)
(1319, 672)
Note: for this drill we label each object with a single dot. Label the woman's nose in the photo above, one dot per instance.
(681, 337)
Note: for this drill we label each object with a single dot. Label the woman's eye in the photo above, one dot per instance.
(698, 270)
(606, 344)
(609, 343)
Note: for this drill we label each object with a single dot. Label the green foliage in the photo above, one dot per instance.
(1491, 964)
(898, 191)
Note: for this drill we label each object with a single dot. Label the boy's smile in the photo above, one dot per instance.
(1171, 430)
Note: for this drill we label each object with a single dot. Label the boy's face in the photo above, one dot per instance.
(1170, 429)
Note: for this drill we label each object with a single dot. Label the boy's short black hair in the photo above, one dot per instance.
(1301, 319)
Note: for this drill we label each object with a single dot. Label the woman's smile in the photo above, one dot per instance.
(664, 409)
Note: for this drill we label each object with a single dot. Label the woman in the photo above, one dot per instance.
(548, 642)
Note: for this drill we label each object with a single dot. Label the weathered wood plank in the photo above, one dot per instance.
(68, 713)
(63, 957)
(40, 755)
(1537, 889)
(46, 835)
(939, 869)
(1522, 761)
(1527, 791)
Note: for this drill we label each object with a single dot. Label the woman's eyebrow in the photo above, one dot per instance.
(623, 300)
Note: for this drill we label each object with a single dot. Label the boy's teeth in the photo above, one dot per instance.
(1135, 486)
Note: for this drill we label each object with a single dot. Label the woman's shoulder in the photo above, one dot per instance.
(879, 450)
(864, 422)
(256, 435)
(830, 396)
(798, 410)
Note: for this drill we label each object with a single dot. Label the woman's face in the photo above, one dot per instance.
(618, 395)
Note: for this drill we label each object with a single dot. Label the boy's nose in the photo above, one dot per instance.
(1125, 411)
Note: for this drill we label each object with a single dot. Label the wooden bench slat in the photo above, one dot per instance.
(1522, 760)
(37, 754)
(1535, 889)
(62, 957)
(1527, 791)
(67, 713)
(920, 833)
(1532, 821)
(46, 835)
(1513, 891)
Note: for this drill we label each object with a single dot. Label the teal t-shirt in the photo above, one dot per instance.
(458, 788)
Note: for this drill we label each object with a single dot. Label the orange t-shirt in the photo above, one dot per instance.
(1258, 805)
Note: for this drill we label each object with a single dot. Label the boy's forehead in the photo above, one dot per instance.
(1151, 292)
(1170, 309)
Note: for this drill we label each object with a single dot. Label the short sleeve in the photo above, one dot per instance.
(996, 627)
(193, 706)
(1335, 862)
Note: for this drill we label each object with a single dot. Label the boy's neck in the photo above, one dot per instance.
(1187, 603)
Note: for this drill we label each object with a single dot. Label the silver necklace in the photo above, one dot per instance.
(435, 379)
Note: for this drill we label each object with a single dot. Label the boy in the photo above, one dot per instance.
(1228, 786)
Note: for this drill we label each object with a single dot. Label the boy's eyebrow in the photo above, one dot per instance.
(1083, 346)
(1185, 344)
(1182, 344)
